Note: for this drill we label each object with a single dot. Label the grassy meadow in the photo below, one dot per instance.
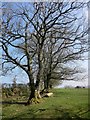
(65, 104)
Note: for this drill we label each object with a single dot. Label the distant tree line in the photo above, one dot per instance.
(15, 89)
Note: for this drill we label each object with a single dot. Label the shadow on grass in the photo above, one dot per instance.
(12, 102)
(45, 118)
(65, 115)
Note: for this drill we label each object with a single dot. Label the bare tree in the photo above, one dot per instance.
(57, 53)
(39, 37)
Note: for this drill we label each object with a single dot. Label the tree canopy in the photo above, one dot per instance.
(42, 38)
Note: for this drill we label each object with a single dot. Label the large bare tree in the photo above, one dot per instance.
(40, 37)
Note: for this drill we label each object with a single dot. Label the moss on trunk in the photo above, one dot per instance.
(34, 97)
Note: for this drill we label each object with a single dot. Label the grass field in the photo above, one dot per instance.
(65, 104)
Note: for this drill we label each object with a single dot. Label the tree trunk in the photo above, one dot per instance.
(34, 97)
(37, 90)
(34, 93)
(46, 85)
(47, 82)
(32, 88)
(47, 88)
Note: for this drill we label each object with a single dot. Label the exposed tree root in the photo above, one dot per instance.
(36, 99)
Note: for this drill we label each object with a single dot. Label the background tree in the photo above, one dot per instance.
(40, 38)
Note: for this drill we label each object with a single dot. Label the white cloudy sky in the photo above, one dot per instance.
(80, 82)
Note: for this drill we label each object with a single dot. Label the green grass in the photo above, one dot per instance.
(65, 104)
